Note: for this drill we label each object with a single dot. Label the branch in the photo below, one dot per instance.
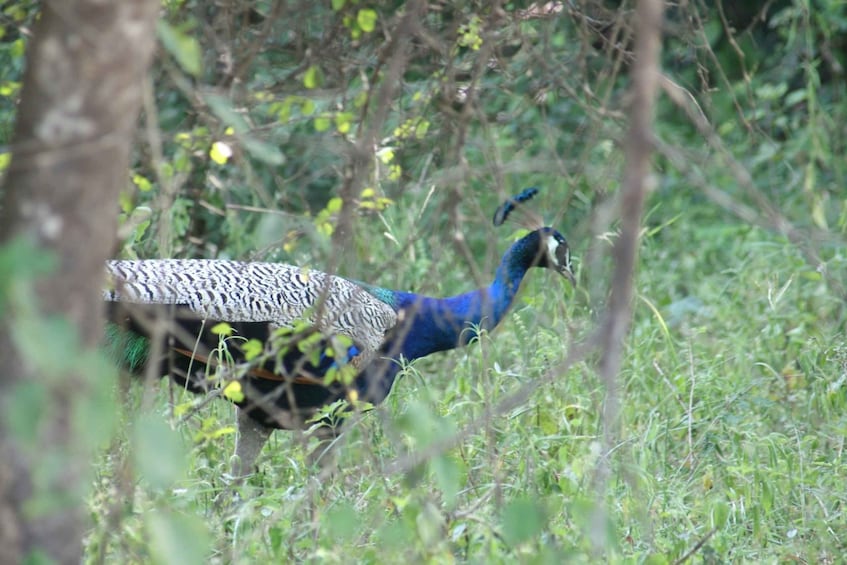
(638, 147)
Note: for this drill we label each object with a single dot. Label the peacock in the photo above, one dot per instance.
(293, 340)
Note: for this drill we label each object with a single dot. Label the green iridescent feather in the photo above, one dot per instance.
(126, 348)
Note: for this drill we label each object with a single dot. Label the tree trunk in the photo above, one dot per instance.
(79, 104)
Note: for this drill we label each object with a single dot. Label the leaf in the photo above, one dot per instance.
(31, 333)
(523, 519)
(252, 349)
(307, 107)
(720, 514)
(265, 152)
(222, 108)
(184, 48)
(9, 88)
(234, 392)
(221, 432)
(819, 213)
(18, 48)
(322, 123)
(220, 152)
(345, 375)
(395, 172)
(421, 129)
(386, 155)
(159, 456)
(448, 477)
(343, 122)
(222, 328)
(142, 182)
(337, 5)
(26, 404)
(93, 414)
(342, 521)
(367, 20)
(182, 408)
(313, 77)
(178, 539)
(334, 205)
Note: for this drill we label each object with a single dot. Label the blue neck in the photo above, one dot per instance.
(438, 324)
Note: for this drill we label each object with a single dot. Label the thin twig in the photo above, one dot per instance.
(696, 547)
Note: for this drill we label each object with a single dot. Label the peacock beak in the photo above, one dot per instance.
(566, 272)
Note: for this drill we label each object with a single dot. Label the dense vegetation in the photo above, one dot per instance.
(731, 436)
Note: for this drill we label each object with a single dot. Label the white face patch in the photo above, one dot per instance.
(552, 246)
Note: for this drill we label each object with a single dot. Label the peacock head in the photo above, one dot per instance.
(556, 255)
(548, 248)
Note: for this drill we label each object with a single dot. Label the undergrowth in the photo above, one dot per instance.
(731, 436)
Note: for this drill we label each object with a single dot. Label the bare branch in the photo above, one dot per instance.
(638, 147)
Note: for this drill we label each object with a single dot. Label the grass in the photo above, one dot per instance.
(731, 438)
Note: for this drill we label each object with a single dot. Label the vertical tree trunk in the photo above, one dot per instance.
(79, 104)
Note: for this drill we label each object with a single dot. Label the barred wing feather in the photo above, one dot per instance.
(237, 291)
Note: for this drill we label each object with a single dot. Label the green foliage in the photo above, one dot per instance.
(159, 455)
(523, 519)
(177, 538)
(469, 33)
(312, 78)
(182, 47)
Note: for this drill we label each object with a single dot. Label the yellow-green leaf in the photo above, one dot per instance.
(819, 213)
(343, 121)
(421, 129)
(307, 108)
(220, 152)
(18, 48)
(252, 349)
(142, 182)
(322, 124)
(221, 432)
(312, 77)
(222, 328)
(334, 205)
(386, 155)
(324, 228)
(182, 408)
(366, 20)
(9, 88)
(360, 99)
(234, 392)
